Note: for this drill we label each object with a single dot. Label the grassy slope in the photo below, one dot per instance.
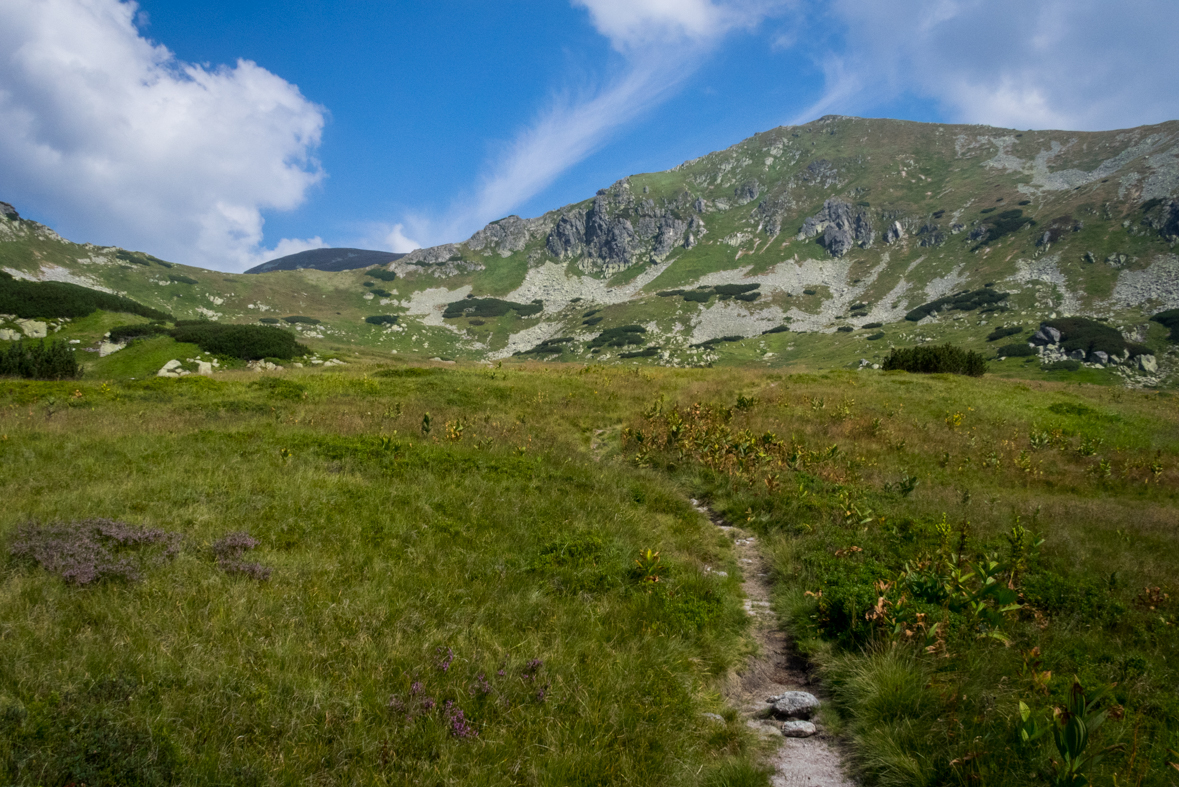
(511, 544)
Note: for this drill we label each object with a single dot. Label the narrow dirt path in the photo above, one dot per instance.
(811, 761)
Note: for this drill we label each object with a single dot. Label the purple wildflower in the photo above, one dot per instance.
(94, 549)
(428, 703)
(481, 686)
(459, 727)
(445, 660)
(416, 688)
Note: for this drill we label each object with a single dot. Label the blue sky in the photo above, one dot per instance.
(221, 134)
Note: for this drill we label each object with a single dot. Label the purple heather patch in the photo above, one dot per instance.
(94, 549)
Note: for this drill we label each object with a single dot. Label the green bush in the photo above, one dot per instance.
(647, 352)
(591, 321)
(490, 307)
(747, 296)
(776, 329)
(962, 301)
(269, 320)
(1169, 319)
(382, 274)
(943, 359)
(122, 333)
(549, 346)
(368, 284)
(298, 318)
(698, 296)
(1003, 333)
(381, 319)
(734, 290)
(845, 329)
(41, 361)
(1003, 224)
(876, 336)
(871, 325)
(1082, 333)
(809, 291)
(30, 299)
(381, 293)
(1015, 351)
(670, 293)
(180, 279)
(619, 337)
(248, 342)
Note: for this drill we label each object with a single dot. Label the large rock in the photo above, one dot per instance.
(1148, 364)
(1101, 357)
(798, 729)
(34, 329)
(9, 212)
(108, 348)
(505, 236)
(894, 233)
(841, 225)
(170, 369)
(1045, 336)
(1076, 355)
(794, 705)
(9, 335)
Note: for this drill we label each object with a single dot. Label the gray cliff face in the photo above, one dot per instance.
(841, 225)
(438, 261)
(618, 231)
(9, 212)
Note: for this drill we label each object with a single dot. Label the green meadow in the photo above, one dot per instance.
(494, 575)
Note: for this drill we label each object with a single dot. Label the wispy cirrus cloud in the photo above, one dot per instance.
(121, 142)
(662, 43)
(1070, 64)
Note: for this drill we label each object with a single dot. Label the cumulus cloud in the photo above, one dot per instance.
(1071, 64)
(121, 142)
(662, 42)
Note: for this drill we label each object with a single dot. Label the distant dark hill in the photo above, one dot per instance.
(328, 260)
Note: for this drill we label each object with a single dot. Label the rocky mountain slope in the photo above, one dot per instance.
(814, 245)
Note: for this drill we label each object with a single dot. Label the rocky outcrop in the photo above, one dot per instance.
(894, 233)
(842, 227)
(9, 212)
(506, 236)
(440, 261)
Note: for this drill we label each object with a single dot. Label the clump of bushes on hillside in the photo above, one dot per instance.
(646, 352)
(1003, 333)
(380, 273)
(42, 361)
(776, 329)
(623, 336)
(300, 319)
(986, 299)
(1169, 319)
(1003, 224)
(1082, 333)
(381, 319)
(269, 320)
(124, 333)
(91, 550)
(1015, 351)
(248, 342)
(490, 307)
(549, 346)
(45, 299)
(943, 359)
(177, 278)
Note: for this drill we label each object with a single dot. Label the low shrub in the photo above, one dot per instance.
(1003, 224)
(381, 293)
(698, 296)
(45, 299)
(623, 336)
(968, 300)
(1169, 319)
(871, 325)
(591, 321)
(747, 296)
(943, 359)
(809, 291)
(670, 293)
(1003, 333)
(549, 346)
(876, 336)
(490, 307)
(381, 319)
(92, 550)
(368, 284)
(647, 352)
(776, 329)
(300, 319)
(248, 342)
(382, 274)
(845, 329)
(122, 333)
(42, 361)
(177, 278)
(1082, 333)
(1015, 351)
(269, 320)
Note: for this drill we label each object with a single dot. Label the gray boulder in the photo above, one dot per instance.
(9, 212)
(894, 233)
(1045, 336)
(1101, 357)
(1076, 355)
(1148, 364)
(798, 729)
(505, 236)
(794, 705)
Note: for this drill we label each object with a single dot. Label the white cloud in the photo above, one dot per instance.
(396, 241)
(123, 143)
(1072, 64)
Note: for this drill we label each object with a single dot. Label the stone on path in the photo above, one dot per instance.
(798, 729)
(794, 705)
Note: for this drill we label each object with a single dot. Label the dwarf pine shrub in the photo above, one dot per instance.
(943, 359)
(42, 361)
(248, 342)
(381, 319)
(383, 275)
(123, 333)
(1015, 351)
(1169, 319)
(42, 299)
